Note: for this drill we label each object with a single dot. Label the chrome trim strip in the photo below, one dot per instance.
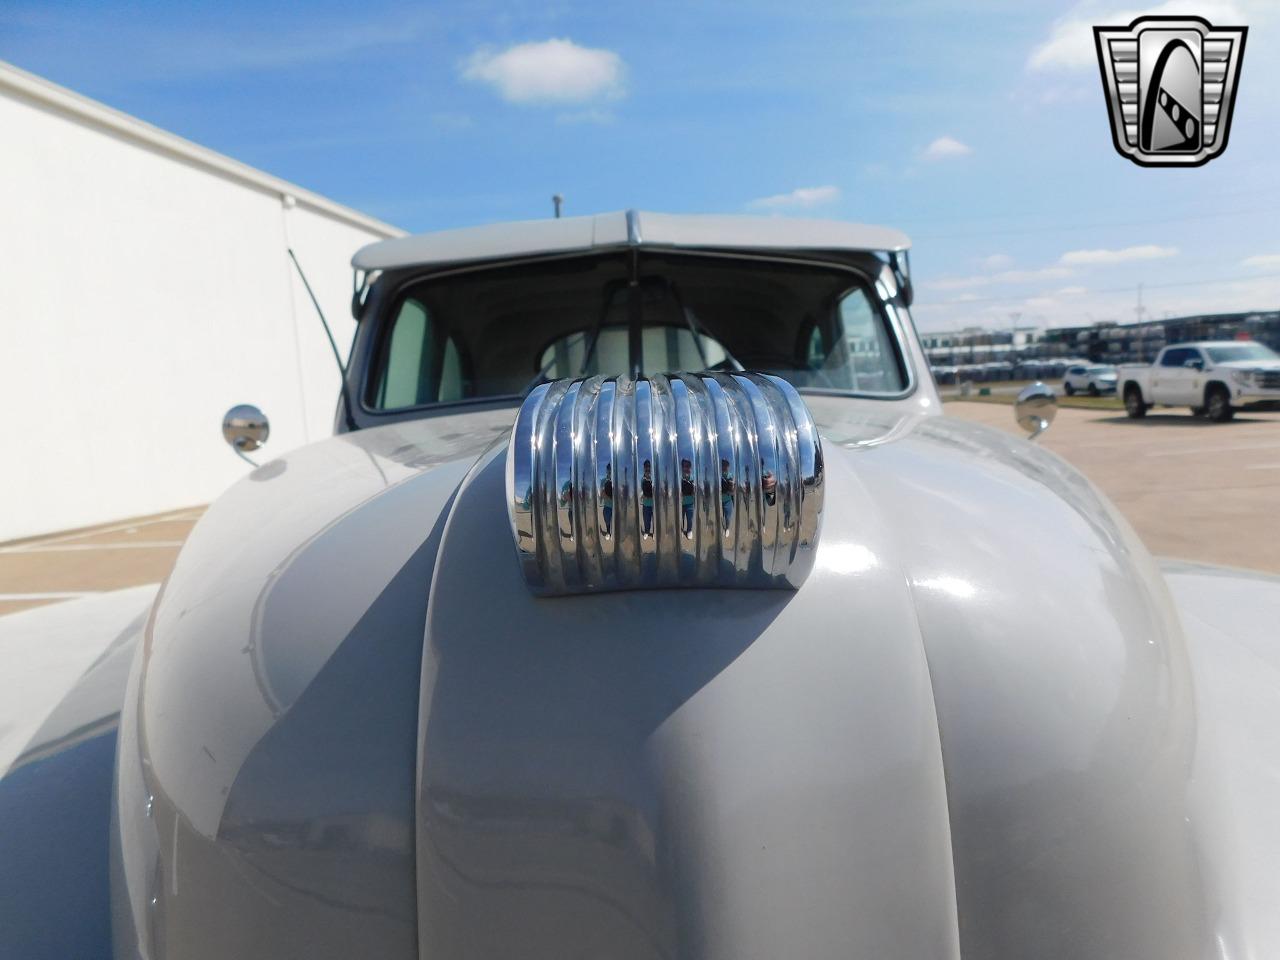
(633, 229)
(686, 480)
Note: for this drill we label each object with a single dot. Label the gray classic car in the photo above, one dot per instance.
(644, 605)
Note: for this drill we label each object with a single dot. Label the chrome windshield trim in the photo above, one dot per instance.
(633, 229)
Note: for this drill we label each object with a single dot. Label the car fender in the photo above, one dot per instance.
(66, 670)
(1229, 619)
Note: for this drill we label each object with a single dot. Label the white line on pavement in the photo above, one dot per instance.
(61, 595)
(61, 547)
(188, 514)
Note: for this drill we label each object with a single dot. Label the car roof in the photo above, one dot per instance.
(502, 241)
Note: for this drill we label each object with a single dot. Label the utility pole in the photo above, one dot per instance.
(556, 199)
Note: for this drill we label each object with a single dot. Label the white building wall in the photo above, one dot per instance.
(144, 289)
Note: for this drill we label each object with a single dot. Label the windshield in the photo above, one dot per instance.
(1102, 370)
(1241, 351)
(498, 332)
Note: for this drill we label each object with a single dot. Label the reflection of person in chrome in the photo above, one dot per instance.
(646, 498)
(686, 496)
(726, 493)
(606, 499)
(768, 484)
(566, 503)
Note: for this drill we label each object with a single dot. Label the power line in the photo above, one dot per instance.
(1125, 289)
(1067, 228)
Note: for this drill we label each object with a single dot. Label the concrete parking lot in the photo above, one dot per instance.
(1192, 489)
(64, 566)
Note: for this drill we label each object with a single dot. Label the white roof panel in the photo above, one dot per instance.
(501, 241)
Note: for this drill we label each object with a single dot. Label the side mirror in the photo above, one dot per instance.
(1195, 364)
(1035, 409)
(245, 428)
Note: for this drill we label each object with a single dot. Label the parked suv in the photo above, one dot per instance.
(1093, 380)
(1215, 379)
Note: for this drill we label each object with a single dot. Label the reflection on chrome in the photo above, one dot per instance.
(696, 480)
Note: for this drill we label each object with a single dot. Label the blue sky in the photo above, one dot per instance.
(978, 127)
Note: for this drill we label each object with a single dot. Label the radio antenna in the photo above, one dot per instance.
(333, 344)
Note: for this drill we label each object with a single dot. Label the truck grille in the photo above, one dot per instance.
(1268, 379)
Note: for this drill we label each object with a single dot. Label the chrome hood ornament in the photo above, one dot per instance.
(682, 480)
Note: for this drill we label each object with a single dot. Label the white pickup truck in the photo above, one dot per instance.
(1213, 378)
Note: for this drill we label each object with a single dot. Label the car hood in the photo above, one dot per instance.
(977, 706)
(1250, 365)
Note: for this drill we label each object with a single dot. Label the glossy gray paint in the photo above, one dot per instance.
(945, 741)
(66, 671)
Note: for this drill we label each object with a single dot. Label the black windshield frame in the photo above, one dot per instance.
(384, 310)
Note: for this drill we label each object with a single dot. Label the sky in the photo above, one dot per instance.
(979, 128)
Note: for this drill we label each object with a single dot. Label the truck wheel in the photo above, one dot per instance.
(1217, 404)
(1093, 389)
(1069, 390)
(1133, 404)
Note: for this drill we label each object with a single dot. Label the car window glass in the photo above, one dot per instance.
(495, 332)
(421, 363)
(1174, 358)
(663, 349)
(874, 367)
(1241, 351)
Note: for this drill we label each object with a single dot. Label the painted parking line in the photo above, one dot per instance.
(56, 595)
(188, 514)
(1223, 448)
(63, 547)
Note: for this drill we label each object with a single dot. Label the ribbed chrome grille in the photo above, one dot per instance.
(688, 480)
(1268, 379)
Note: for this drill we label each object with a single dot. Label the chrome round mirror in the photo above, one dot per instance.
(1035, 409)
(245, 428)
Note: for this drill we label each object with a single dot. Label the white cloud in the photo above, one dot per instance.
(800, 197)
(997, 261)
(956, 283)
(1078, 258)
(1070, 43)
(551, 71)
(1176, 300)
(1264, 261)
(945, 147)
(1072, 291)
(1030, 276)
(1004, 276)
